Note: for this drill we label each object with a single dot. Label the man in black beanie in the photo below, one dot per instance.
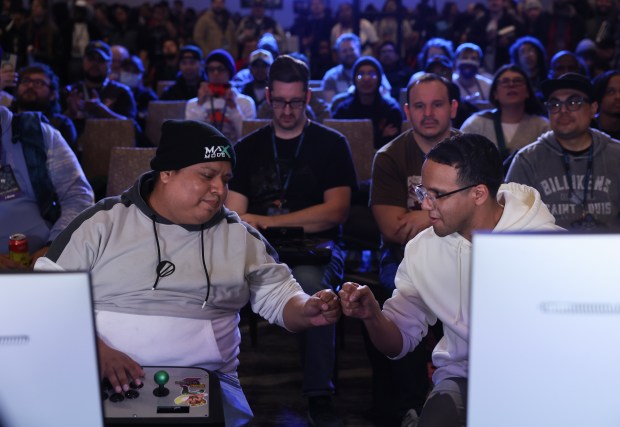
(146, 308)
(191, 74)
(366, 102)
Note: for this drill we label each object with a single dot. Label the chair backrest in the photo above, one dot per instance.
(315, 84)
(126, 164)
(249, 126)
(359, 133)
(96, 143)
(158, 112)
(162, 85)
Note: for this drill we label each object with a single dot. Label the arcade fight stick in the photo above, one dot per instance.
(167, 396)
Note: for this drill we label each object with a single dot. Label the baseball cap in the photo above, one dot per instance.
(261, 55)
(567, 81)
(99, 47)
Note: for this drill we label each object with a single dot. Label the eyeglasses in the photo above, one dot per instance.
(295, 104)
(422, 193)
(370, 74)
(216, 69)
(38, 83)
(573, 103)
(516, 81)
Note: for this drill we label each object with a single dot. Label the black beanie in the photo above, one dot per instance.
(188, 142)
(221, 55)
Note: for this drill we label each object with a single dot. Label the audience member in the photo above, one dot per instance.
(473, 86)
(37, 90)
(345, 24)
(79, 32)
(461, 194)
(314, 30)
(43, 186)
(295, 172)
(218, 103)
(587, 51)
(40, 38)
(402, 385)
(339, 78)
(366, 102)
(565, 28)
(566, 62)
(125, 31)
(434, 47)
(607, 96)
(573, 167)
(97, 96)
(132, 71)
(266, 42)
(517, 119)
(494, 32)
(179, 205)
(528, 53)
(191, 74)
(216, 29)
(166, 67)
(387, 27)
(252, 27)
(535, 20)
(260, 61)
(119, 54)
(394, 68)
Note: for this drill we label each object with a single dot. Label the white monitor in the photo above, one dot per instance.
(48, 359)
(545, 330)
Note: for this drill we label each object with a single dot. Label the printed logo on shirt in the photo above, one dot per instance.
(217, 153)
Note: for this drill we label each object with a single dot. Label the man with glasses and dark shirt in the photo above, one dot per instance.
(297, 173)
(574, 167)
(462, 193)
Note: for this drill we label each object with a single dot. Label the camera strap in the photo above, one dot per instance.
(216, 121)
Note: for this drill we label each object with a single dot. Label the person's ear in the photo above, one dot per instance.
(481, 194)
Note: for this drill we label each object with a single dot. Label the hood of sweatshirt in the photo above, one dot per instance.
(523, 210)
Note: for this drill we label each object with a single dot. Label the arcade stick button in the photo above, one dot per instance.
(131, 394)
(161, 378)
(135, 386)
(116, 397)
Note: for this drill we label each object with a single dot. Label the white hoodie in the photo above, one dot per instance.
(432, 281)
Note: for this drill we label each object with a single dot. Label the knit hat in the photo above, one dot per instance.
(185, 143)
(367, 60)
(191, 51)
(221, 55)
(567, 81)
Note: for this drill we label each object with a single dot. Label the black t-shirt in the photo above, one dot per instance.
(324, 162)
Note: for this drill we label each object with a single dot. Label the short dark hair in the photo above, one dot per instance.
(40, 69)
(445, 45)
(430, 77)
(600, 84)
(475, 157)
(532, 105)
(287, 69)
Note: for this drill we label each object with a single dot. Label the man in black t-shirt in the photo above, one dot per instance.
(295, 172)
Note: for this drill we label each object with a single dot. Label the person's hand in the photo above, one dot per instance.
(323, 308)
(7, 263)
(38, 254)
(204, 92)
(260, 222)
(93, 105)
(358, 301)
(410, 224)
(231, 98)
(75, 103)
(8, 78)
(389, 130)
(118, 368)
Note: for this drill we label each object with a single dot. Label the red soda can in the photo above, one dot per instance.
(18, 249)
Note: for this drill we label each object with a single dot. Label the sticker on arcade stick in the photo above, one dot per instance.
(191, 400)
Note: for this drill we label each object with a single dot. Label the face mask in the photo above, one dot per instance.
(130, 79)
(467, 68)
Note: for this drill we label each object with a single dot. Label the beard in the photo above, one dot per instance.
(35, 104)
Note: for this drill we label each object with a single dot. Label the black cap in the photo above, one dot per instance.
(190, 50)
(99, 47)
(222, 56)
(567, 81)
(185, 143)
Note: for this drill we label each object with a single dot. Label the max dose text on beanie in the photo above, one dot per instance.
(185, 143)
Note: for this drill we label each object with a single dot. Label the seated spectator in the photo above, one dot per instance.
(185, 316)
(474, 87)
(253, 26)
(345, 25)
(97, 96)
(566, 62)
(119, 54)
(44, 187)
(165, 67)
(394, 68)
(191, 74)
(266, 42)
(587, 51)
(516, 120)
(218, 102)
(434, 47)
(37, 90)
(574, 167)
(366, 102)
(529, 53)
(131, 75)
(215, 29)
(607, 95)
(260, 61)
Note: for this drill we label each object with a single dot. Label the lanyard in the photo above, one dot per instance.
(293, 163)
(569, 175)
(218, 124)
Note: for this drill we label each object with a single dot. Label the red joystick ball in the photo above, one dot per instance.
(161, 378)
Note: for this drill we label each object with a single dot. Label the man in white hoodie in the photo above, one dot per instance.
(462, 192)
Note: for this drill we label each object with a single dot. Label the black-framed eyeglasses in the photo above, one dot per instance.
(515, 81)
(295, 104)
(573, 103)
(422, 193)
(39, 83)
